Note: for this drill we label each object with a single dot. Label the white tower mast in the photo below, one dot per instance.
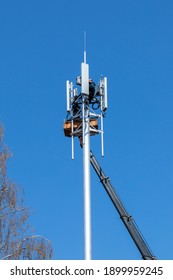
(82, 122)
(86, 157)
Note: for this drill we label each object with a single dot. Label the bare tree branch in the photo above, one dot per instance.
(16, 240)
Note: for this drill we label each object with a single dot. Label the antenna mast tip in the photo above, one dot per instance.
(84, 46)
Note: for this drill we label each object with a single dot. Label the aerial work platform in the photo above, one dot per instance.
(74, 127)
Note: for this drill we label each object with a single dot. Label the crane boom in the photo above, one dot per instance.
(125, 217)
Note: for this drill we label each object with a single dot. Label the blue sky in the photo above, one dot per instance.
(131, 43)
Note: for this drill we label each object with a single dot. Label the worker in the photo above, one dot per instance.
(76, 105)
(91, 90)
(81, 141)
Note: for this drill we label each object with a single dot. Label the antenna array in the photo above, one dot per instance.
(97, 104)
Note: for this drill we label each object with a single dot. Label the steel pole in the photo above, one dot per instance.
(86, 182)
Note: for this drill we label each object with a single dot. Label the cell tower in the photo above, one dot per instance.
(86, 107)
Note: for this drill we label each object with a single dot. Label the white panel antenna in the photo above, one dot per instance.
(85, 78)
(68, 95)
(103, 93)
(105, 98)
(75, 92)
